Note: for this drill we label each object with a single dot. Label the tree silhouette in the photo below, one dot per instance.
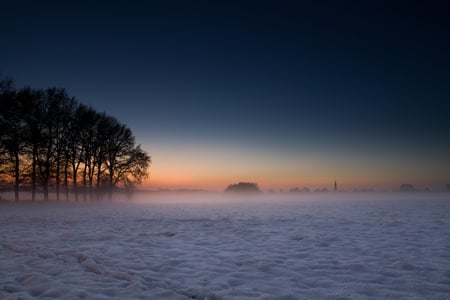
(49, 138)
(246, 187)
(12, 131)
(33, 102)
(75, 150)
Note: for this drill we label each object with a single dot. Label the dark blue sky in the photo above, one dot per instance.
(292, 82)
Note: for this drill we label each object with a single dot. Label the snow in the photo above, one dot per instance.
(212, 247)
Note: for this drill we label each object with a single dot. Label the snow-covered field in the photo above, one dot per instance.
(277, 247)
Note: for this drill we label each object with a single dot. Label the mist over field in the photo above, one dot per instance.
(216, 246)
(118, 119)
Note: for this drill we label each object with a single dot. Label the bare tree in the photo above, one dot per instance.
(46, 151)
(88, 119)
(33, 130)
(61, 110)
(132, 168)
(126, 164)
(75, 150)
(120, 142)
(11, 132)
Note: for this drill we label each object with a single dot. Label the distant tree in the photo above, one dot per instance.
(406, 187)
(299, 190)
(363, 190)
(247, 187)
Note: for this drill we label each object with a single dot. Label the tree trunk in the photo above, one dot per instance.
(66, 177)
(74, 180)
(85, 182)
(58, 176)
(45, 187)
(33, 174)
(91, 181)
(47, 173)
(111, 184)
(16, 176)
(99, 192)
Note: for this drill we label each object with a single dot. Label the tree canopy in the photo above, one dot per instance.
(245, 187)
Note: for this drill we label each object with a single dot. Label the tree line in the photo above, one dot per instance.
(51, 141)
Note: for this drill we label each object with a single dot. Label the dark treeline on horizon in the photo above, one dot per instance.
(50, 140)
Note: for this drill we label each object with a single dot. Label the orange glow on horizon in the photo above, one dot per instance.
(213, 167)
(218, 182)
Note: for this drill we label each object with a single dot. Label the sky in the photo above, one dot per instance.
(282, 93)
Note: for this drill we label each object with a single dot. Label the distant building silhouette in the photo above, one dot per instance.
(406, 187)
(335, 185)
(246, 187)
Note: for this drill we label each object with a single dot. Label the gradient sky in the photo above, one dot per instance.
(281, 93)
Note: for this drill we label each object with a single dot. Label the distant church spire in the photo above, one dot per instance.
(335, 185)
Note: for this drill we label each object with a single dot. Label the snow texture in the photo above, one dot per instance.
(307, 247)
